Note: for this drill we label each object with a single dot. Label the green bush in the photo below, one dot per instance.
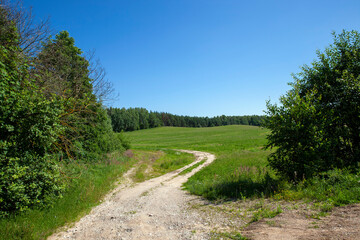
(29, 127)
(48, 112)
(28, 181)
(317, 126)
(94, 135)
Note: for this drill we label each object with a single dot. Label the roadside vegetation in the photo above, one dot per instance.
(189, 169)
(88, 185)
(152, 164)
(58, 153)
(315, 132)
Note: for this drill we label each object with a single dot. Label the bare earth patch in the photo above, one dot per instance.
(341, 223)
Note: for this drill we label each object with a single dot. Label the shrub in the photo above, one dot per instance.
(29, 127)
(317, 126)
(28, 181)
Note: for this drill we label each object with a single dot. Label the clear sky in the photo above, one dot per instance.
(200, 57)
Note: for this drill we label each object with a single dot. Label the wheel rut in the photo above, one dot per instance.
(154, 209)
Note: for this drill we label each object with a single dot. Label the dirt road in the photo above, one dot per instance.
(154, 209)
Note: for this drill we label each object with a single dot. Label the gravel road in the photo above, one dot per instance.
(155, 209)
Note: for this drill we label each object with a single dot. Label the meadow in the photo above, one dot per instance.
(240, 169)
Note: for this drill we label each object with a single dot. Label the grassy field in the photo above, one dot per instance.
(240, 169)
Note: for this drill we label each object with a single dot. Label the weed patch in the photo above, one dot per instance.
(227, 235)
(265, 212)
(332, 188)
(172, 160)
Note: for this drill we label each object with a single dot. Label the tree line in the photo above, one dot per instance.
(51, 110)
(132, 119)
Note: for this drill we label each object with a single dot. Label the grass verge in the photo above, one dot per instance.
(329, 189)
(154, 163)
(88, 183)
(189, 169)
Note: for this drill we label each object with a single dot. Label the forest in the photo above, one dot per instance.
(132, 119)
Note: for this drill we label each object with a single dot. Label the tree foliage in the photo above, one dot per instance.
(29, 126)
(49, 112)
(60, 69)
(132, 119)
(31, 33)
(317, 126)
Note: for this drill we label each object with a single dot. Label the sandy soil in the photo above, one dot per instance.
(154, 209)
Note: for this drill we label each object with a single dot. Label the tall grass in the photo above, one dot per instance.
(88, 183)
(335, 187)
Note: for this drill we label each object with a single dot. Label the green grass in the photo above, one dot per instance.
(154, 163)
(172, 160)
(329, 189)
(240, 169)
(140, 175)
(88, 184)
(227, 235)
(189, 169)
(265, 212)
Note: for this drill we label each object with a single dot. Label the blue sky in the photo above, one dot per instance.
(200, 57)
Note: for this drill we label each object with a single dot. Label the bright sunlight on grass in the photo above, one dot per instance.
(152, 164)
(240, 168)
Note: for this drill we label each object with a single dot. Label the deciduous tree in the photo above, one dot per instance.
(317, 126)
